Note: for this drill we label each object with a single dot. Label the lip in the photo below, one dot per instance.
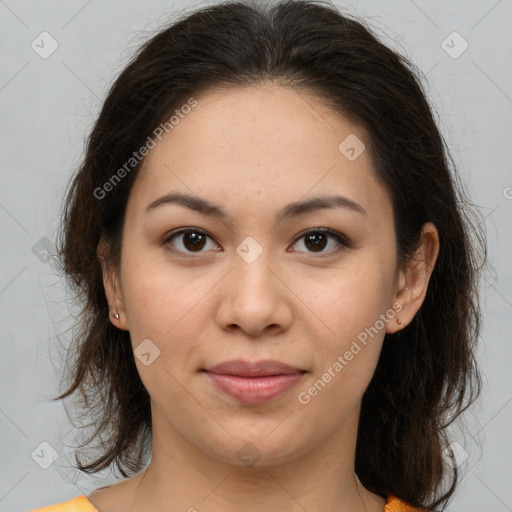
(254, 382)
(263, 368)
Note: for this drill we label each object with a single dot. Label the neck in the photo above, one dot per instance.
(183, 477)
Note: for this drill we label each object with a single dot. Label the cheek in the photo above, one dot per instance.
(344, 361)
(159, 300)
(352, 313)
(351, 298)
(168, 311)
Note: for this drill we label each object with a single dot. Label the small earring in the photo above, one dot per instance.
(116, 315)
(398, 321)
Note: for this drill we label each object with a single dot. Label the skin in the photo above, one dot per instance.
(253, 150)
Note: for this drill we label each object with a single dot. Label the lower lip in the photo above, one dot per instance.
(254, 390)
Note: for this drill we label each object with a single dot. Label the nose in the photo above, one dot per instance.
(255, 298)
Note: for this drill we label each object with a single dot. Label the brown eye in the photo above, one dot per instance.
(316, 240)
(192, 240)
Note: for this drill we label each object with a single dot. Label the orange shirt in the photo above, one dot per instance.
(82, 504)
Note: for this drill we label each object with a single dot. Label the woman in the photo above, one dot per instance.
(278, 283)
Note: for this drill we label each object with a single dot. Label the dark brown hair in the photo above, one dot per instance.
(426, 375)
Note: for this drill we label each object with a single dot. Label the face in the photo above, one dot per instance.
(262, 282)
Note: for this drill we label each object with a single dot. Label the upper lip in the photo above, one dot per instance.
(253, 369)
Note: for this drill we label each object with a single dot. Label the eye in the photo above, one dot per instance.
(193, 239)
(315, 240)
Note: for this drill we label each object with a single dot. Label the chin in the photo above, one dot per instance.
(258, 449)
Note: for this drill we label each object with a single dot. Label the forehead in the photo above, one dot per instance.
(265, 144)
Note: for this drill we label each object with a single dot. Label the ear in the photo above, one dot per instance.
(412, 282)
(113, 290)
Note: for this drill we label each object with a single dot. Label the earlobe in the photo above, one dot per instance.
(395, 322)
(416, 277)
(112, 289)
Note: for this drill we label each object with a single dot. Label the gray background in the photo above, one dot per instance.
(47, 107)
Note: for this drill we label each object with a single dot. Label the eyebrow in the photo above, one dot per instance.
(290, 210)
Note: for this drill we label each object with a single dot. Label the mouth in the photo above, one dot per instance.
(254, 382)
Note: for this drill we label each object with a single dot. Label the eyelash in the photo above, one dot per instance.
(343, 241)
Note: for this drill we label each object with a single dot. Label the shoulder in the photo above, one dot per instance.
(78, 504)
(393, 504)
